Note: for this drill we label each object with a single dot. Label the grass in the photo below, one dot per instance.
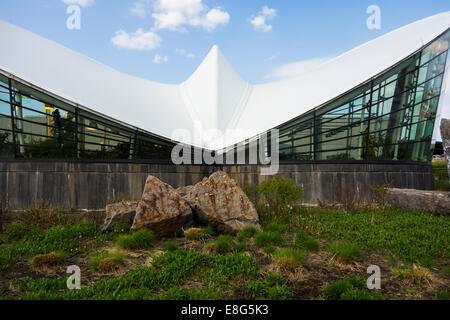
(303, 241)
(273, 287)
(198, 233)
(289, 259)
(415, 275)
(171, 246)
(141, 239)
(268, 238)
(412, 236)
(106, 262)
(246, 233)
(345, 250)
(49, 259)
(350, 288)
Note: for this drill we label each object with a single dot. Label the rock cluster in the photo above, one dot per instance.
(216, 201)
(435, 202)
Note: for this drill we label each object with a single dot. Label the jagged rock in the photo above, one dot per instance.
(118, 213)
(219, 202)
(445, 134)
(162, 209)
(435, 202)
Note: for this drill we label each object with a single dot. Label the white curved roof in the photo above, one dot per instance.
(215, 97)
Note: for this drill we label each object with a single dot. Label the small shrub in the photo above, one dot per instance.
(274, 279)
(267, 238)
(171, 246)
(346, 251)
(107, 262)
(198, 233)
(49, 259)
(380, 193)
(280, 192)
(17, 231)
(141, 239)
(246, 233)
(43, 216)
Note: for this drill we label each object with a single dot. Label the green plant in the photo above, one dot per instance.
(337, 289)
(106, 262)
(267, 238)
(345, 250)
(280, 194)
(270, 250)
(302, 241)
(171, 246)
(141, 239)
(246, 233)
(272, 288)
(380, 193)
(442, 295)
(240, 247)
(224, 244)
(289, 259)
(276, 227)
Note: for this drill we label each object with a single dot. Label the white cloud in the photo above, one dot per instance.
(159, 59)
(81, 3)
(184, 53)
(271, 58)
(138, 9)
(260, 21)
(178, 14)
(295, 69)
(139, 40)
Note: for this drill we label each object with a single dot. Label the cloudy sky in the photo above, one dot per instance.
(165, 40)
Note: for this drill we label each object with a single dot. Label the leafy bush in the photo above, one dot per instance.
(280, 194)
(141, 239)
(267, 238)
(345, 250)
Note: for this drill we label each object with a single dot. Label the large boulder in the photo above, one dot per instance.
(162, 209)
(445, 134)
(219, 202)
(119, 213)
(435, 202)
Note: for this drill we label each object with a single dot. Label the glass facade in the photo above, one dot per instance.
(36, 125)
(391, 117)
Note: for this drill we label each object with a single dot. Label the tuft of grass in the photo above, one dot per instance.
(276, 227)
(171, 246)
(416, 275)
(198, 233)
(224, 244)
(48, 259)
(106, 262)
(345, 250)
(246, 233)
(240, 247)
(270, 250)
(302, 241)
(141, 239)
(442, 295)
(289, 259)
(271, 288)
(268, 238)
(350, 289)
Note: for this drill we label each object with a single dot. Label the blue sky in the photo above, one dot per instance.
(263, 40)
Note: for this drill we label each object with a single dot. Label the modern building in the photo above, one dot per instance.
(375, 104)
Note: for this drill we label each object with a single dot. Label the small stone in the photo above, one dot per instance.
(122, 212)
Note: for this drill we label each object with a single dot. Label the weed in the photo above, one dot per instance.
(442, 295)
(302, 241)
(289, 259)
(223, 244)
(416, 275)
(269, 289)
(269, 250)
(141, 239)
